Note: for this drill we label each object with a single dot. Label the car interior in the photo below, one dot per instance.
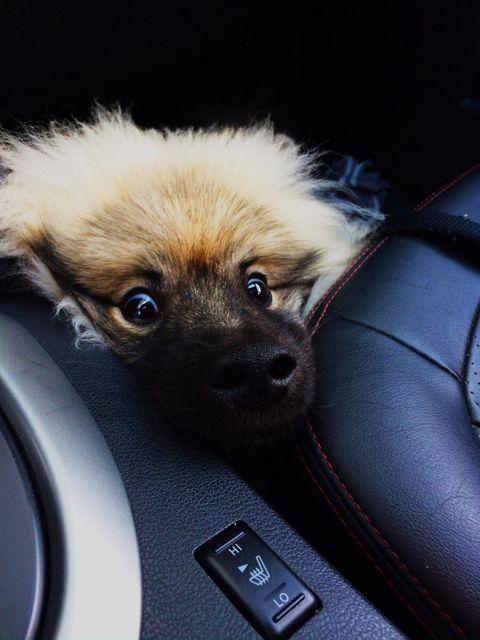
(365, 525)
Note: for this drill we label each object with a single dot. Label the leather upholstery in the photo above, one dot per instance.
(392, 442)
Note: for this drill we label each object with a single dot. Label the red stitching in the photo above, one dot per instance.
(433, 196)
(333, 292)
(405, 568)
(319, 303)
(337, 286)
(355, 267)
(362, 547)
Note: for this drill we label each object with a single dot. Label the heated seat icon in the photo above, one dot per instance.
(260, 575)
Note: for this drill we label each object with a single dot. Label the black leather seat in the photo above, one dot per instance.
(393, 443)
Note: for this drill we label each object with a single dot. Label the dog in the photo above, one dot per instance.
(191, 254)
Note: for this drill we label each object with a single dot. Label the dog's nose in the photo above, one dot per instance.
(253, 375)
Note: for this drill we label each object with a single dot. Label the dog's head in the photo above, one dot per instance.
(190, 253)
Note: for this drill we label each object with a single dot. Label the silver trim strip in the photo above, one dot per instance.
(96, 579)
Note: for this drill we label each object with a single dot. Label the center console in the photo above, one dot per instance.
(124, 506)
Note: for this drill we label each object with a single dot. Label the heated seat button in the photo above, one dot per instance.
(274, 600)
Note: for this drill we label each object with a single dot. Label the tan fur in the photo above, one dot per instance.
(115, 198)
(94, 211)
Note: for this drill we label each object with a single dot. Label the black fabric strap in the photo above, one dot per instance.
(435, 223)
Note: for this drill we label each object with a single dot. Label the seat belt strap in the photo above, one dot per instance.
(437, 223)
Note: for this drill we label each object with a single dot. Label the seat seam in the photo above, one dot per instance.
(355, 267)
(402, 343)
(458, 630)
(337, 283)
(433, 196)
(370, 249)
(357, 540)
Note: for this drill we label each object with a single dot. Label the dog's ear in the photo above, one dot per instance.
(18, 236)
(30, 188)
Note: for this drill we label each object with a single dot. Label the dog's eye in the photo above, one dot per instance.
(139, 307)
(256, 287)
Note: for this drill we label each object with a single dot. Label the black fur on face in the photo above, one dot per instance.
(179, 362)
(222, 365)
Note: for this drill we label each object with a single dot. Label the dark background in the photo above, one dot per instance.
(392, 81)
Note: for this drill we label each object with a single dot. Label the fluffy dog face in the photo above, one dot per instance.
(190, 254)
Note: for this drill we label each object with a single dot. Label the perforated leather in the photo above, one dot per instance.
(472, 374)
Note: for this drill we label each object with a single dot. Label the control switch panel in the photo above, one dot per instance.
(272, 598)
